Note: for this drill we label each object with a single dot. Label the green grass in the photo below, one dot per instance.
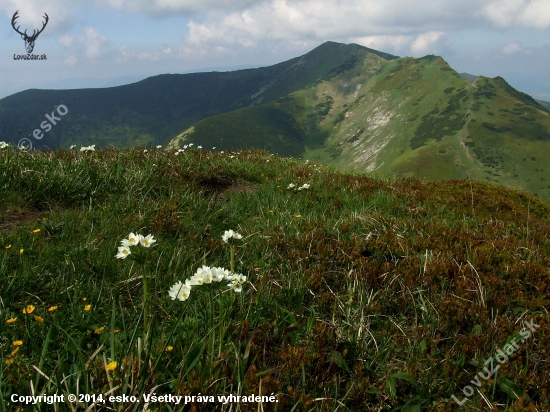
(361, 294)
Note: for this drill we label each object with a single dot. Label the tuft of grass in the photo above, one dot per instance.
(362, 294)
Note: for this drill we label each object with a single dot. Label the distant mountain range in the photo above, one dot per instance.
(339, 104)
(156, 109)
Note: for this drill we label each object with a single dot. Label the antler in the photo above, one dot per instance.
(34, 36)
(34, 33)
(13, 24)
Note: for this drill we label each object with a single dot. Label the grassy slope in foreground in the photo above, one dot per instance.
(361, 293)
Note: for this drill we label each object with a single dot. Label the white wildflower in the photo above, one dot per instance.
(123, 252)
(228, 234)
(132, 240)
(147, 240)
(180, 291)
(88, 148)
(220, 274)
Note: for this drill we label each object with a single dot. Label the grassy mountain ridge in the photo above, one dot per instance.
(410, 117)
(155, 109)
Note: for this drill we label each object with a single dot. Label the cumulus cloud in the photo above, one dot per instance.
(71, 60)
(395, 44)
(430, 42)
(390, 26)
(89, 43)
(31, 13)
(125, 55)
(510, 13)
(511, 48)
(166, 7)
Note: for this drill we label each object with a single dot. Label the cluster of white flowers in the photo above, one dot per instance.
(133, 239)
(206, 275)
(190, 145)
(3, 145)
(88, 148)
(303, 187)
(71, 147)
(228, 234)
(159, 146)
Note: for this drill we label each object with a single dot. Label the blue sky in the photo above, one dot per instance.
(107, 42)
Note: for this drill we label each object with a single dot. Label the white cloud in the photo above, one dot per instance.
(392, 26)
(430, 42)
(511, 48)
(166, 7)
(125, 55)
(90, 43)
(71, 60)
(395, 44)
(524, 13)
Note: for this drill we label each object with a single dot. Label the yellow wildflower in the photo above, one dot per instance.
(21, 251)
(17, 343)
(111, 366)
(87, 308)
(116, 330)
(8, 247)
(28, 310)
(36, 231)
(99, 330)
(84, 299)
(298, 216)
(8, 361)
(39, 319)
(53, 308)
(169, 348)
(13, 352)
(11, 320)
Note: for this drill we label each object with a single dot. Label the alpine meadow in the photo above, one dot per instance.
(347, 230)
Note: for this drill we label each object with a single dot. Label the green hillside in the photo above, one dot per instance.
(407, 117)
(360, 295)
(156, 109)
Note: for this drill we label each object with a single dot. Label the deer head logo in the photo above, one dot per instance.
(29, 40)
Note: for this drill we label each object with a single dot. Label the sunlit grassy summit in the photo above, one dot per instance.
(352, 293)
